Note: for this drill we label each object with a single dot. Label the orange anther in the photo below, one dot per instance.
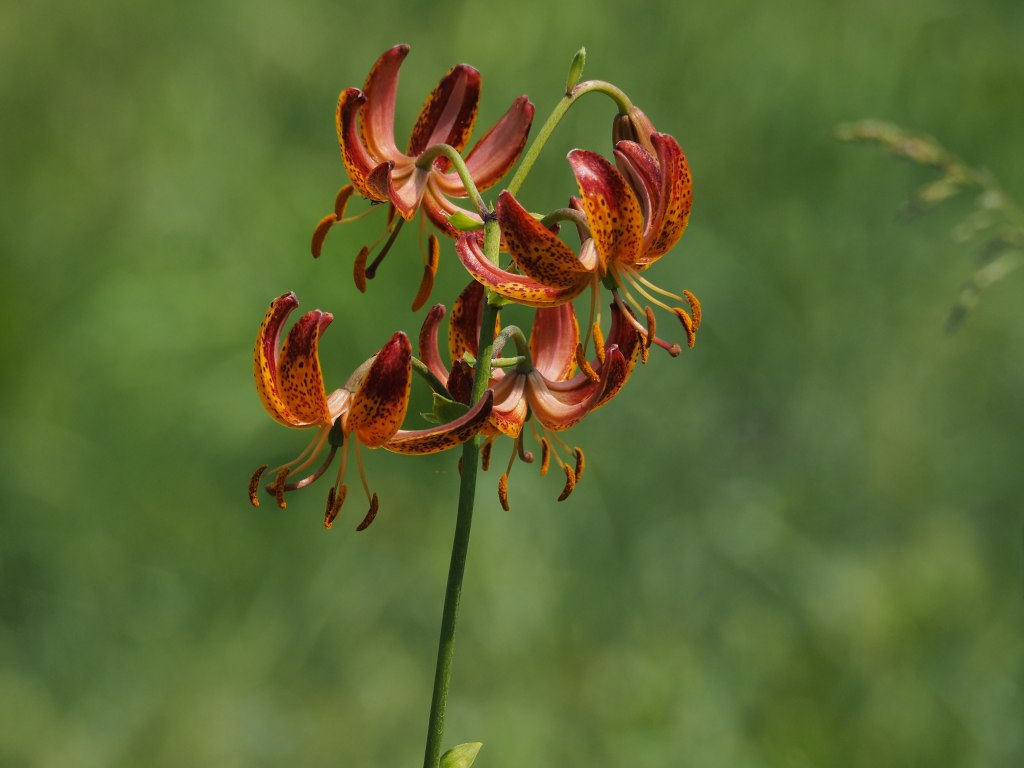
(374, 504)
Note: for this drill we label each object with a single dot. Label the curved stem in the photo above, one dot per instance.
(590, 86)
(463, 525)
(449, 152)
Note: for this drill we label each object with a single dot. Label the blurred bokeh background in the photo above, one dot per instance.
(799, 544)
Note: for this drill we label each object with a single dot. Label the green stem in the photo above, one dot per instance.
(590, 86)
(430, 154)
(463, 525)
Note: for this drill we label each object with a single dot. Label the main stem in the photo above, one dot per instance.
(463, 525)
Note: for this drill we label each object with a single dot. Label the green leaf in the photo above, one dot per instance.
(446, 410)
(461, 756)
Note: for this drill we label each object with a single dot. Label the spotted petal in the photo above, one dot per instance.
(299, 379)
(444, 436)
(496, 152)
(538, 251)
(519, 288)
(264, 363)
(358, 163)
(448, 115)
(676, 195)
(382, 397)
(613, 212)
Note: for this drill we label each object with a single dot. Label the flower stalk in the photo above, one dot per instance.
(463, 527)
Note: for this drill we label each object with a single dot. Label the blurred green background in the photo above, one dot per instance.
(799, 544)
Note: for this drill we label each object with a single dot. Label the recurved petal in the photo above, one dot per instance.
(358, 163)
(464, 325)
(519, 288)
(676, 196)
(382, 397)
(444, 436)
(264, 361)
(405, 187)
(537, 250)
(428, 342)
(553, 341)
(378, 125)
(299, 379)
(560, 408)
(510, 405)
(641, 170)
(497, 151)
(613, 212)
(614, 374)
(448, 114)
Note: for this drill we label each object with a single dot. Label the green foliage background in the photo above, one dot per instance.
(797, 545)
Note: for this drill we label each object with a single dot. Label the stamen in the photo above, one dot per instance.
(684, 318)
(369, 515)
(371, 271)
(651, 325)
(254, 486)
(545, 456)
(312, 478)
(503, 492)
(328, 221)
(359, 269)
(694, 308)
(485, 456)
(598, 343)
(335, 499)
(631, 276)
(429, 271)
(584, 364)
(320, 233)
(342, 200)
(641, 279)
(362, 472)
(277, 488)
(580, 463)
(524, 455)
(570, 482)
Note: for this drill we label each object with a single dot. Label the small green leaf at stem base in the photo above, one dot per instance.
(461, 756)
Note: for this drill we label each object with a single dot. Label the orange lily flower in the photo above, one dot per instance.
(540, 381)
(630, 222)
(370, 407)
(381, 172)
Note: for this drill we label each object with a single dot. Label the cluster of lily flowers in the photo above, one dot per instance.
(628, 214)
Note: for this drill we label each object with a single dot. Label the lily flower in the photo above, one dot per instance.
(418, 178)
(548, 379)
(370, 407)
(630, 220)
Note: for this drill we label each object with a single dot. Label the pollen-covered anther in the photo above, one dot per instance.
(485, 456)
(581, 463)
(545, 456)
(570, 482)
(370, 515)
(598, 343)
(652, 325)
(584, 364)
(335, 500)
(694, 309)
(359, 269)
(277, 488)
(503, 492)
(320, 233)
(254, 486)
(688, 325)
(429, 272)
